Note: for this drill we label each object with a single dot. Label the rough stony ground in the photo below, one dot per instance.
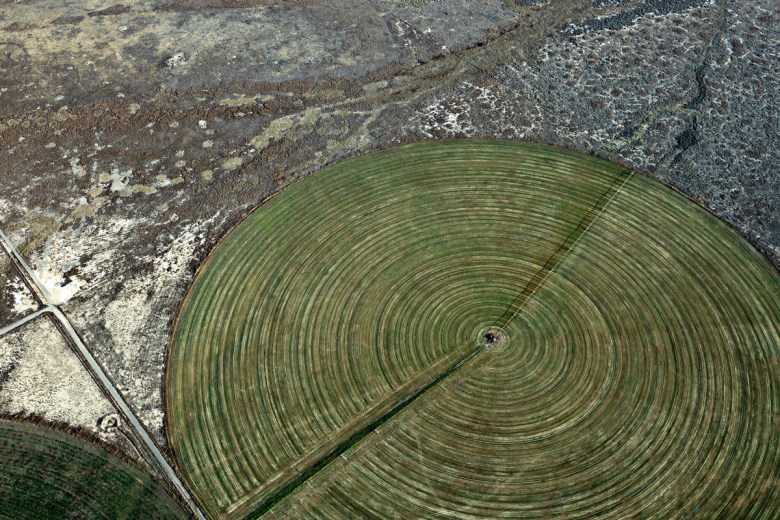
(134, 134)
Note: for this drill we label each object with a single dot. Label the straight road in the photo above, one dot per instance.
(97, 373)
(28, 318)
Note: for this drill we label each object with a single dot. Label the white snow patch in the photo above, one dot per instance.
(452, 117)
(124, 319)
(63, 251)
(56, 285)
(120, 179)
(137, 332)
(77, 169)
(48, 379)
(22, 299)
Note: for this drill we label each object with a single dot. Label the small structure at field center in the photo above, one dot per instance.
(492, 338)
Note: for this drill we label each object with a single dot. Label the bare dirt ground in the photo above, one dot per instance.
(134, 134)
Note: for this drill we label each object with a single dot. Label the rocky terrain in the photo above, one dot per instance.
(133, 135)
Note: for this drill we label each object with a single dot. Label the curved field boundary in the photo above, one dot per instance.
(640, 377)
(641, 380)
(48, 474)
(281, 493)
(407, 256)
(555, 259)
(148, 448)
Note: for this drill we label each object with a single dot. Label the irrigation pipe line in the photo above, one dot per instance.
(97, 373)
(281, 493)
(504, 323)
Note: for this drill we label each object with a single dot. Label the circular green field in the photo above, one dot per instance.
(48, 474)
(331, 360)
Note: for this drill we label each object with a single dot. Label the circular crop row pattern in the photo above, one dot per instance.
(333, 358)
(49, 474)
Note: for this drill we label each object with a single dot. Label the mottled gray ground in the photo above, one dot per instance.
(133, 135)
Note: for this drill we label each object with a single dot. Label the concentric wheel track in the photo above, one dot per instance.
(638, 375)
